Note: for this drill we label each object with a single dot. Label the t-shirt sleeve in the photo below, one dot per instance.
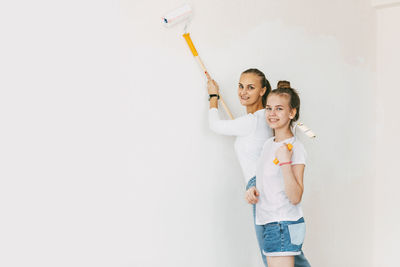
(299, 155)
(238, 127)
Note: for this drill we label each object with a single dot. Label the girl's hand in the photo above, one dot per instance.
(212, 87)
(283, 154)
(252, 195)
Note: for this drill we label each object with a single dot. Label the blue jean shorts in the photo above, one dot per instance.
(284, 238)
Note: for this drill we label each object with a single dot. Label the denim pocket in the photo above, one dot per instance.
(297, 233)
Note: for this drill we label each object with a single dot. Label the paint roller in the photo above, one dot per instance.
(307, 131)
(181, 14)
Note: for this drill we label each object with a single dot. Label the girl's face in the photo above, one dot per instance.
(278, 112)
(250, 91)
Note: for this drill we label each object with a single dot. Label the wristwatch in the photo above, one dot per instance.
(213, 95)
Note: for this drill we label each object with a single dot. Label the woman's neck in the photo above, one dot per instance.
(283, 134)
(253, 108)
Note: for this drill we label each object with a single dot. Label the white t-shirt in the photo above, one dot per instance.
(273, 204)
(251, 132)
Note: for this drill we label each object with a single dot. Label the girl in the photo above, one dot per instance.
(280, 185)
(251, 132)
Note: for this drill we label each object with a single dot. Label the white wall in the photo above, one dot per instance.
(106, 156)
(386, 184)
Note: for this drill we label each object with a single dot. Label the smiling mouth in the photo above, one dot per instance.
(244, 98)
(273, 120)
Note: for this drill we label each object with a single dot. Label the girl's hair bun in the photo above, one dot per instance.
(283, 84)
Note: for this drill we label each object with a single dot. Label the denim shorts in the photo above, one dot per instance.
(299, 260)
(284, 238)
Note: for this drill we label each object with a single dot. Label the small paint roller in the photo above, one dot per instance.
(307, 131)
(183, 14)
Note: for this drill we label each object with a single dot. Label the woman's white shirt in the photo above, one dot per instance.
(251, 131)
(273, 204)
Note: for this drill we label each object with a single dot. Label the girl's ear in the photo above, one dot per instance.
(292, 113)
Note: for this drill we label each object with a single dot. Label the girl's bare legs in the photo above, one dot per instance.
(280, 261)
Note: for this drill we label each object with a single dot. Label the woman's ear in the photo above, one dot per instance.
(263, 90)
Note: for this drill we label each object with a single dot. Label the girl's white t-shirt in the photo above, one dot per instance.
(273, 204)
(251, 131)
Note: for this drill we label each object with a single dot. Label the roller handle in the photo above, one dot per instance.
(197, 57)
(289, 146)
(225, 108)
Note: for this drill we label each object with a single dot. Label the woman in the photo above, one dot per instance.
(251, 131)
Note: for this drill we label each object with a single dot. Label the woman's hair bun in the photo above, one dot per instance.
(283, 84)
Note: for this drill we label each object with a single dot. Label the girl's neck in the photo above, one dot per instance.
(254, 108)
(282, 134)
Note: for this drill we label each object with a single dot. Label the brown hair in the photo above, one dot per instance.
(294, 101)
(264, 83)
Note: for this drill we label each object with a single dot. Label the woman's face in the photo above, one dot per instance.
(278, 112)
(250, 91)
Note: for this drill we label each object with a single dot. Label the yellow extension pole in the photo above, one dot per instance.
(197, 57)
